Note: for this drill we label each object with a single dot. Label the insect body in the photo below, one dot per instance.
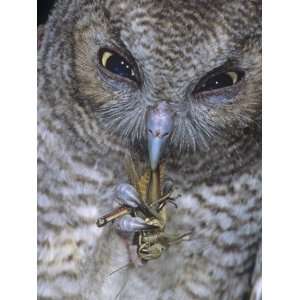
(143, 212)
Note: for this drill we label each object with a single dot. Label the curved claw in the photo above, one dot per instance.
(131, 224)
(127, 195)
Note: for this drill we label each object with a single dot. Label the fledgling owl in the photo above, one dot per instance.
(102, 66)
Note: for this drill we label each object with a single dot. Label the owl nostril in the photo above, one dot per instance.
(157, 133)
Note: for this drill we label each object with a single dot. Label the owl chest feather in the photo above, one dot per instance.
(224, 218)
(173, 46)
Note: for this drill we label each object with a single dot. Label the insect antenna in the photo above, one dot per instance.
(122, 288)
(125, 267)
(121, 268)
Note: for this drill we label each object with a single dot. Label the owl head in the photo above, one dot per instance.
(202, 59)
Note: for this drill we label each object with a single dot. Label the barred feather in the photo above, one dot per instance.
(88, 122)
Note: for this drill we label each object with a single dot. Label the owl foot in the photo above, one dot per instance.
(133, 224)
(127, 195)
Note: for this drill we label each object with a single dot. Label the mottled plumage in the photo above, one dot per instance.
(88, 122)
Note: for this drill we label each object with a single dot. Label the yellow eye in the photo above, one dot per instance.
(234, 76)
(116, 64)
(105, 56)
(219, 80)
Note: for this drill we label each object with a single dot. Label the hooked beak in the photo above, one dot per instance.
(159, 124)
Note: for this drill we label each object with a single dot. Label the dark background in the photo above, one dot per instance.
(43, 9)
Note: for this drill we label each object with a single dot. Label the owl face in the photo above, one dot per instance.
(203, 58)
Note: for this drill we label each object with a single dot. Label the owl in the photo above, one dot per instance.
(103, 67)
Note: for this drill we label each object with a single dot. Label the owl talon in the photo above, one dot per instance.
(133, 224)
(127, 195)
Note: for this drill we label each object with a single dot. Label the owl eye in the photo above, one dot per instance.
(116, 64)
(219, 80)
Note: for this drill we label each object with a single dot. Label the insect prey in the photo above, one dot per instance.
(142, 210)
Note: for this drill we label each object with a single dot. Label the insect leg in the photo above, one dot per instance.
(113, 215)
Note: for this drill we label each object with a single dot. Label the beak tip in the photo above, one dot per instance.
(155, 147)
(153, 165)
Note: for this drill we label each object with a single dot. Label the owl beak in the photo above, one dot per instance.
(159, 124)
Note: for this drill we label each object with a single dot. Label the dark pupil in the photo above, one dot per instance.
(217, 82)
(116, 64)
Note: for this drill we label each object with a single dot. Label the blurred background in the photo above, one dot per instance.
(43, 9)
